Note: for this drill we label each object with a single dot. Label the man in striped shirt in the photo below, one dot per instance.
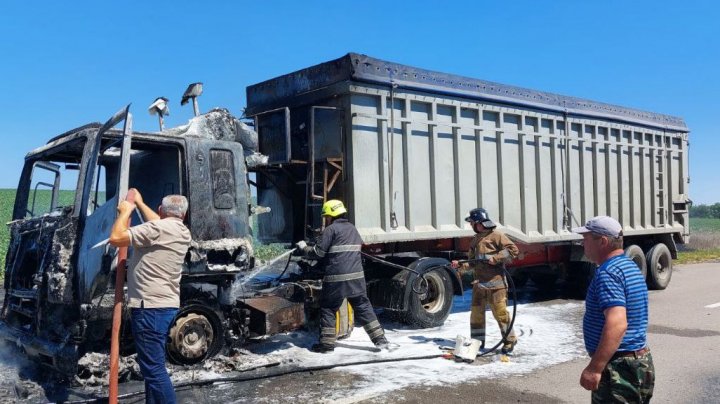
(616, 317)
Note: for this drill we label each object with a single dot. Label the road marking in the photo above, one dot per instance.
(712, 306)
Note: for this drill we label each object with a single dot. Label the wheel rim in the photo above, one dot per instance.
(639, 261)
(434, 299)
(191, 337)
(662, 265)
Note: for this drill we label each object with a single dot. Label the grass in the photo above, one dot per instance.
(42, 205)
(7, 201)
(704, 242)
(704, 239)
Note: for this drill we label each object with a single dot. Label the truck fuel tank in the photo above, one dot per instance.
(273, 314)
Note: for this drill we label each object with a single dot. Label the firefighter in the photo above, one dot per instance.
(493, 249)
(338, 251)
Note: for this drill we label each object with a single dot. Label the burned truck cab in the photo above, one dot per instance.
(60, 270)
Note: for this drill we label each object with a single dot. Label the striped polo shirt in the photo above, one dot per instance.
(617, 282)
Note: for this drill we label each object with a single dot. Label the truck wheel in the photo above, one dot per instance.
(519, 280)
(196, 334)
(635, 253)
(430, 309)
(659, 263)
(580, 275)
(544, 281)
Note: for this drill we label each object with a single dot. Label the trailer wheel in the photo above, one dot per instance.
(579, 278)
(196, 334)
(519, 279)
(635, 253)
(659, 262)
(544, 281)
(430, 309)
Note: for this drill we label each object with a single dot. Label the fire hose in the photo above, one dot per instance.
(508, 279)
(423, 287)
(267, 375)
(419, 286)
(117, 315)
(283, 372)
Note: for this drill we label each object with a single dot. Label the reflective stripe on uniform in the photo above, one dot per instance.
(344, 277)
(327, 335)
(327, 340)
(374, 329)
(377, 333)
(496, 284)
(372, 324)
(319, 252)
(344, 248)
(477, 332)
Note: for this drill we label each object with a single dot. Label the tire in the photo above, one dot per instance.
(519, 280)
(579, 278)
(195, 335)
(431, 308)
(659, 264)
(544, 281)
(635, 253)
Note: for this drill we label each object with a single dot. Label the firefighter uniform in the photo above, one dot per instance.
(490, 285)
(338, 250)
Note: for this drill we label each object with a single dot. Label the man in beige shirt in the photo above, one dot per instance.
(154, 272)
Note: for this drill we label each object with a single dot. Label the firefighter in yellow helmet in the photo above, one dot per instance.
(489, 285)
(338, 250)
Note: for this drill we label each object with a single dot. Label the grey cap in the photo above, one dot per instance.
(604, 225)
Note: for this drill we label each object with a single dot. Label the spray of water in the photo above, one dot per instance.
(273, 267)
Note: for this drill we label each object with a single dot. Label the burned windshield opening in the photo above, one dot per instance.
(53, 180)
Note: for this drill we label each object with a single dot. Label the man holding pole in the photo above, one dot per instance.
(154, 272)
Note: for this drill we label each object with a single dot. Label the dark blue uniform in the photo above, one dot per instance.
(338, 250)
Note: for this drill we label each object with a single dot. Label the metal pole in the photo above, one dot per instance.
(117, 316)
(121, 266)
(195, 106)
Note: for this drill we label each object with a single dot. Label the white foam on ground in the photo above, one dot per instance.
(548, 335)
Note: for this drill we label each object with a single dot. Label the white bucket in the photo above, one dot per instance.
(466, 348)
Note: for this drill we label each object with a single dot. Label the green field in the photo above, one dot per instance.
(704, 225)
(7, 200)
(42, 203)
(704, 239)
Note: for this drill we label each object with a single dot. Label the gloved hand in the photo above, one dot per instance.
(300, 248)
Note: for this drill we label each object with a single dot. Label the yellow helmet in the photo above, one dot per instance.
(333, 208)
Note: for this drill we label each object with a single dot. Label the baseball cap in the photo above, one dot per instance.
(604, 225)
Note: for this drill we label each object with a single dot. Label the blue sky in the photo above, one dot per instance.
(65, 64)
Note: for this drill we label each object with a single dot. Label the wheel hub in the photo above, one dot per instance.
(433, 299)
(191, 336)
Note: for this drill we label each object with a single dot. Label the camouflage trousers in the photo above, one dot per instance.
(497, 300)
(626, 380)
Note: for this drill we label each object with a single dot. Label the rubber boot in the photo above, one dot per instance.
(322, 348)
(382, 343)
(508, 347)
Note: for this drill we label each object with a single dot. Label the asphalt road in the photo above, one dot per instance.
(684, 337)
